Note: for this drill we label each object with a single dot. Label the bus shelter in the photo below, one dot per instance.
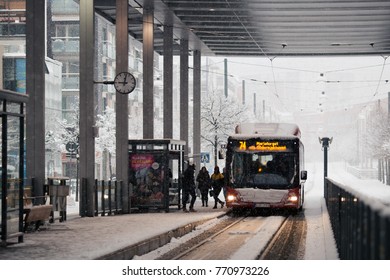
(155, 166)
(12, 114)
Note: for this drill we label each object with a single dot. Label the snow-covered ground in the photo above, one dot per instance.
(88, 238)
(320, 243)
(79, 237)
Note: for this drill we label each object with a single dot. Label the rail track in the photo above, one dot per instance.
(288, 243)
(211, 238)
(246, 237)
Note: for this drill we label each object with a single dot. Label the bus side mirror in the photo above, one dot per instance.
(303, 175)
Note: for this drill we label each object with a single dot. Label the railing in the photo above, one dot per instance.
(361, 226)
(108, 197)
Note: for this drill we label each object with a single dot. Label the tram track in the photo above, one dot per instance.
(266, 251)
(243, 237)
(271, 236)
(288, 241)
(200, 239)
(194, 247)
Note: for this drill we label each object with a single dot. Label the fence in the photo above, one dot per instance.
(108, 197)
(361, 227)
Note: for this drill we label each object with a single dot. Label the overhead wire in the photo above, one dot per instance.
(261, 49)
(307, 70)
(378, 84)
(273, 67)
(276, 67)
(293, 81)
(274, 90)
(354, 68)
(380, 77)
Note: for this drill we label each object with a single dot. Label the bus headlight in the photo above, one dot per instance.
(231, 197)
(293, 198)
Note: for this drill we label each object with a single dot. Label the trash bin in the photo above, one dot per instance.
(58, 188)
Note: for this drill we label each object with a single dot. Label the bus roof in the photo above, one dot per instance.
(285, 130)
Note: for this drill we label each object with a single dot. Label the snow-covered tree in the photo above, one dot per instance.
(219, 117)
(66, 131)
(377, 129)
(106, 141)
(378, 143)
(60, 132)
(107, 128)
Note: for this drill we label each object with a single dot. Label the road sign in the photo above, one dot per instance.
(205, 157)
(71, 147)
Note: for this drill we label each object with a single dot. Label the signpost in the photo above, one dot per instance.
(72, 149)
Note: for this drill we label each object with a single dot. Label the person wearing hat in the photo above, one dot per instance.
(189, 188)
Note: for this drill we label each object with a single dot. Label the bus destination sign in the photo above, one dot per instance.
(262, 146)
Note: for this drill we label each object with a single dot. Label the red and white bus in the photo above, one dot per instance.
(265, 167)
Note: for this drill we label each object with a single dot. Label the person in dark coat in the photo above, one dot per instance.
(204, 185)
(217, 182)
(189, 188)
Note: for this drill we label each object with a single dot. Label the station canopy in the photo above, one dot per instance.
(266, 27)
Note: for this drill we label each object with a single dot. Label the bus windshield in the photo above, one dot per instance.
(264, 170)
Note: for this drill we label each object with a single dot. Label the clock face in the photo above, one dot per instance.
(124, 82)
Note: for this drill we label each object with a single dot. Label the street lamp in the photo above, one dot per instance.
(325, 141)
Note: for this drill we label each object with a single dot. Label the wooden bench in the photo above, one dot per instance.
(37, 215)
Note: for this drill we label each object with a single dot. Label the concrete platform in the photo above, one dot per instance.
(109, 237)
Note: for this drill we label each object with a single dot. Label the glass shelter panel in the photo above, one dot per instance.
(13, 178)
(11, 166)
(174, 175)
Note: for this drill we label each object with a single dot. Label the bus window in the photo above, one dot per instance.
(259, 169)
